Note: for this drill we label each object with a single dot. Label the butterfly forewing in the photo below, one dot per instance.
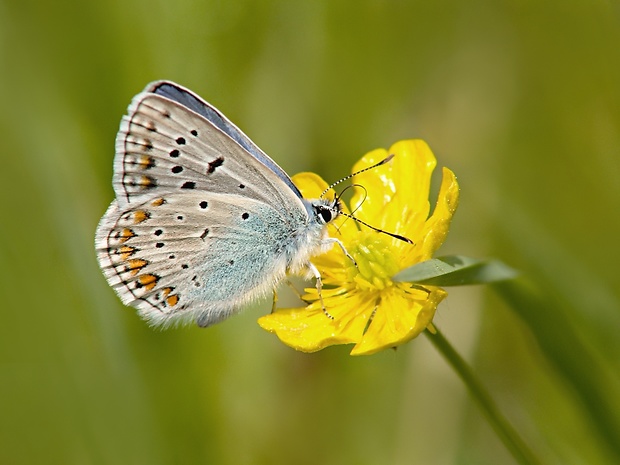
(188, 99)
(163, 146)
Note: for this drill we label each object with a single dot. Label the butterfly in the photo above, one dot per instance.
(203, 222)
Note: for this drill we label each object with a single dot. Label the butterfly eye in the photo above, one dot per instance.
(325, 215)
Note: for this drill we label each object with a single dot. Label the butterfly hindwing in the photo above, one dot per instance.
(179, 257)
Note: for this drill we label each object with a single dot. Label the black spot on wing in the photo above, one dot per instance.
(215, 164)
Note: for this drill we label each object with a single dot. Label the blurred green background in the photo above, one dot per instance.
(520, 99)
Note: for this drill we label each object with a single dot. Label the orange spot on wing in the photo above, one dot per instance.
(126, 252)
(148, 281)
(172, 300)
(146, 162)
(126, 234)
(140, 216)
(147, 182)
(136, 265)
(166, 291)
(158, 202)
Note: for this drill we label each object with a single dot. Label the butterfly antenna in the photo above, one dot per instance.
(337, 198)
(385, 160)
(395, 236)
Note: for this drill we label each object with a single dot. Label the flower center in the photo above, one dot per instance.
(376, 262)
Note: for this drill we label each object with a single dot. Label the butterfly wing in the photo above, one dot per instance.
(192, 101)
(193, 257)
(202, 222)
(164, 146)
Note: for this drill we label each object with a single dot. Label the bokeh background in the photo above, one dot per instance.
(520, 99)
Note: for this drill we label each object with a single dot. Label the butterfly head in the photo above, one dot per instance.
(325, 210)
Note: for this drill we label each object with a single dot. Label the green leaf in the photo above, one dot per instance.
(456, 270)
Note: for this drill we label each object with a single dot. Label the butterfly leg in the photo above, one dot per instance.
(319, 287)
(333, 240)
(275, 300)
(297, 292)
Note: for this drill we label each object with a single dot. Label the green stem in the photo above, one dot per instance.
(511, 439)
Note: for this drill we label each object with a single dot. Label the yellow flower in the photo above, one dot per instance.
(367, 306)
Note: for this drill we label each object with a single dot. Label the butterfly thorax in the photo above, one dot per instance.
(310, 239)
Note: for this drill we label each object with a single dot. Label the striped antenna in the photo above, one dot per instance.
(382, 162)
(395, 236)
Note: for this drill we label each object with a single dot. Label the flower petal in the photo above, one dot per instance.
(436, 227)
(309, 329)
(398, 319)
(311, 185)
(396, 194)
(369, 200)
